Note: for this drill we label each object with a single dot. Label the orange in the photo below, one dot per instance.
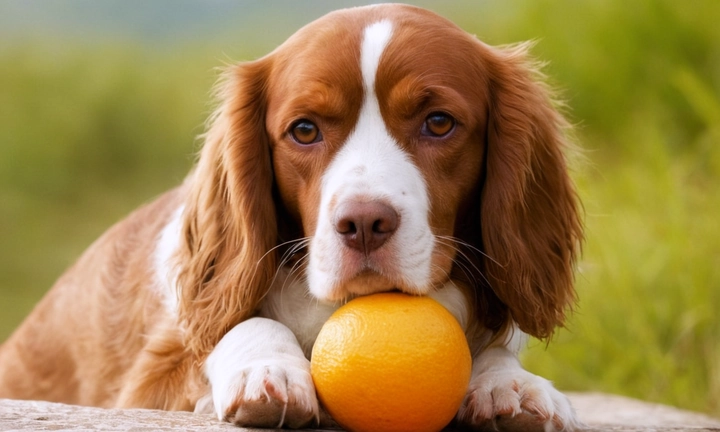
(391, 362)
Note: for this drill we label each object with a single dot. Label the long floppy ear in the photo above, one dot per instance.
(229, 222)
(531, 227)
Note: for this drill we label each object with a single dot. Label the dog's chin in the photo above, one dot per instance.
(365, 283)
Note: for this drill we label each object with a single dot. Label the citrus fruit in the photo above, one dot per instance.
(391, 362)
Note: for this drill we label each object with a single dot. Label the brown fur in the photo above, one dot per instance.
(97, 322)
(502, 205)
(229, 223)
(531, 229)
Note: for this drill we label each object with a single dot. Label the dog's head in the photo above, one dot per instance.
(395, 151)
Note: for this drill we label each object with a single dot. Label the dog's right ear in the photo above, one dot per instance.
(229, 226)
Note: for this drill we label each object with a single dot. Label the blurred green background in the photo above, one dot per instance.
(100, 103)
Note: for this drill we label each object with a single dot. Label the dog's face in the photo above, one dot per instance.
(399, 152)
(377, 141)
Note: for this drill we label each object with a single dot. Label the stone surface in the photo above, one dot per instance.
(601, 412)
(47, 416)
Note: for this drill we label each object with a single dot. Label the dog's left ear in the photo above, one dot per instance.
(530, 221)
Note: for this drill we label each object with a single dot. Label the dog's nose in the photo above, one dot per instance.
(365, 226)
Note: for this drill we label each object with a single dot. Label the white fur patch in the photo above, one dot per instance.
(165, 271)
(372, 166)
(516, 339)
(256, 365)
(499, 386)
(289, 303)
(454, 301)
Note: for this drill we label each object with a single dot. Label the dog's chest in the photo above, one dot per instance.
(289, 302)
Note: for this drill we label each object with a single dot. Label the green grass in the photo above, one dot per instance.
(643, 79)
(88, 133)
(647, 323)
(85, 136)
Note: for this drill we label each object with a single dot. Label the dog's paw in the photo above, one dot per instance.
(271, 396)
(515, 400)
(259, 377)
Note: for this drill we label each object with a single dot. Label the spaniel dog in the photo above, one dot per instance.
(379, 148)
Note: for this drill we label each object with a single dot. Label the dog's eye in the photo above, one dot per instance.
(438, 124)
(305, 132)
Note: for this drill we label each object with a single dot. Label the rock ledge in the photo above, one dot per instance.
(601, 412)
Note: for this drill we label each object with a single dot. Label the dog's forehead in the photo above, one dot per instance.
(402, 54)
(329, 48)
(351, 23)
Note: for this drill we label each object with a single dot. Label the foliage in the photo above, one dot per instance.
(643, 79)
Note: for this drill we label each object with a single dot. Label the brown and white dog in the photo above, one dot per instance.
(379, 148)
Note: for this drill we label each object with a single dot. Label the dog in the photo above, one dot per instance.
(379, 148)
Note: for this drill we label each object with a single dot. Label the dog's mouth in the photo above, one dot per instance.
(346, 273)
(368, 281)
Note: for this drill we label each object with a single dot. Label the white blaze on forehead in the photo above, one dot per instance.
(376, 38)
(371, 165)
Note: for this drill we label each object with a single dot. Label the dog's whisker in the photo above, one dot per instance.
(295, 271)
(461, 242)
(456, 244)
(296, 246)
(464, 263)
(466, 267)
(447, 274)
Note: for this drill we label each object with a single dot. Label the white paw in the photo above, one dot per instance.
(515, 400)
(259, 377)
(272, 396)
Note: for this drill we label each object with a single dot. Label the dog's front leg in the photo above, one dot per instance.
(504, 396)
(259, 377)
